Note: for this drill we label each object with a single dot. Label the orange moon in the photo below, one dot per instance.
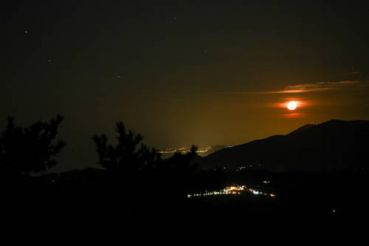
(292, 105)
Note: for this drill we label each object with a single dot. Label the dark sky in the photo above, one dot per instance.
(182, 72)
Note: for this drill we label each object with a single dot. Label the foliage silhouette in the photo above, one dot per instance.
(129, 154)
(26, 150)
(134, 168)
(180, 162)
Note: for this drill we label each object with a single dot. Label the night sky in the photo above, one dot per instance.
(184, 72)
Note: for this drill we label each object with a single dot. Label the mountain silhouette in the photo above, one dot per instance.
(335, 145)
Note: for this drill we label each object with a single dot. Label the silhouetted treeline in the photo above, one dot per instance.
(130, 170)
(135, 168)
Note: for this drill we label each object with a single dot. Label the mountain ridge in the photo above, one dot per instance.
(328, 146)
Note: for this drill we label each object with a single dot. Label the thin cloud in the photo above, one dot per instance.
(310, 87)
(315, 87)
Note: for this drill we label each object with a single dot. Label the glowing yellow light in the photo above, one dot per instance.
(232, 190)
(292, 105)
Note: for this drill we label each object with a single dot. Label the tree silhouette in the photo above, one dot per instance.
(129, 154)
(184, 163)
(31, 149)
(143, 175)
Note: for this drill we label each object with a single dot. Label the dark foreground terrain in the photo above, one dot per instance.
(93, 193)
(134, 184)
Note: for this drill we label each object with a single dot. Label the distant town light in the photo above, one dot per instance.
(232, 190)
